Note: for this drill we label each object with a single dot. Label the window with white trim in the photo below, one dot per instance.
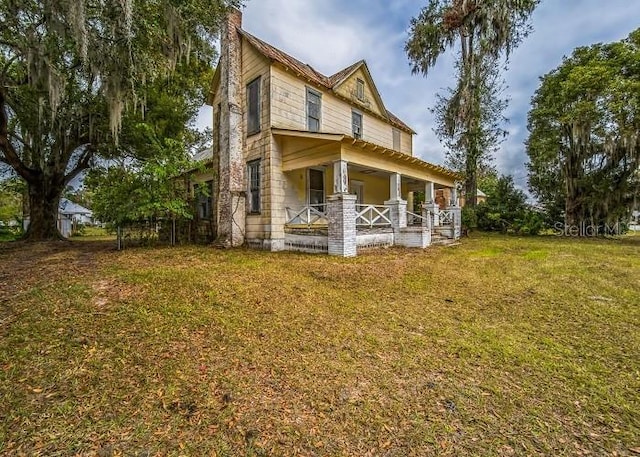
(360, 89)
(313, 110)
(356, 124)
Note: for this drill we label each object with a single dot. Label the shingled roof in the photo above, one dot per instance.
(312, 75)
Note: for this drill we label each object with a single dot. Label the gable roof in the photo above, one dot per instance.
(343, 76)
(68, 207)
(317, 78)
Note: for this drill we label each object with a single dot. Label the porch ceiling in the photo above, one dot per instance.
(305, 149)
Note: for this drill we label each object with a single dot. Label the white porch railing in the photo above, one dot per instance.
(309, 215)
(373, 216)
(414, 219)
(446, 217)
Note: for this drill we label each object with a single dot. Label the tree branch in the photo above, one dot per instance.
(10, 155)
(83, 163)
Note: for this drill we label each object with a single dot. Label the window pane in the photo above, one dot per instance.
(313, 111)
(360, 89)
(356, 119)
(254, 186)
(253, 109)
(316, 180)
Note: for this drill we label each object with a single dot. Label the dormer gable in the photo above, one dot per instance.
(355, 84)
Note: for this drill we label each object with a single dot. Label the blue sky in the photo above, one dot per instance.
(332, 34)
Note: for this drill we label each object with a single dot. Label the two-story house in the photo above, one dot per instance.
(304, 161)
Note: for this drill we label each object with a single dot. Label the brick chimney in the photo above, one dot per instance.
(232, 194)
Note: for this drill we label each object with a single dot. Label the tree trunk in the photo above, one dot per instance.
(43, 212)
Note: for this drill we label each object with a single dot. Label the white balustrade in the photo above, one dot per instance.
(373, 216)
(309, 215)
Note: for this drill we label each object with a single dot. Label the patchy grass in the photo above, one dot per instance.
(94, 233)
(497, 346)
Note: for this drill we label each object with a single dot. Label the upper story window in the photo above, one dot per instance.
(253, 106)
(356, 124)
(360, 89)
(396, 139)
(313, 110)
(253, 172)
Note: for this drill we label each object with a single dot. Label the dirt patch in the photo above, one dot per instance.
(24, 266)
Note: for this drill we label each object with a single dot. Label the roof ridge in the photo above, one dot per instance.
(287, 56)
(311, 74)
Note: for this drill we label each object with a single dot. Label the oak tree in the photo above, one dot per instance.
(71, 69)
(584, 140)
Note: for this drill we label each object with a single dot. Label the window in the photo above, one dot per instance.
(253, 107)
(204, 199)
(253, 173)
(396, 139)
(360, 89)
(357, 188)
(356, 122)
(316, 187)
(313, 110)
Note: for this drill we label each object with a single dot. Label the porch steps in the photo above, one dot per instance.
(439, 240)
(442, 235)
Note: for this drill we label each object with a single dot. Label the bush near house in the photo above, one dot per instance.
(506, 210)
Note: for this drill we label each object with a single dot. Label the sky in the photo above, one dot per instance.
(329, 35)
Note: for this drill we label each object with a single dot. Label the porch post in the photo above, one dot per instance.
(340, 177)
(456, 213)
(430, 203)
(395, 181)
(429, 192)
(397, 205)
(341, 213)
(454, 196)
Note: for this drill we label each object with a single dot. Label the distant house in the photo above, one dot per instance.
(481, 197)
(70, 216)
(305, 161)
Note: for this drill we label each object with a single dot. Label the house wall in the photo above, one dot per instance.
(288, 111)
(376, 188)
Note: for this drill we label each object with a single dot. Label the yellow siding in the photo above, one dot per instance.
(257, 146)
(288, 98)
(288, 111)
(376, 188)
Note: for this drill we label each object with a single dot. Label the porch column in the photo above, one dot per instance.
(430, 203)
(456, 213)
(395, 192)
(341, 214)
(429, 192)
(454, 196)
(340, 177)
(397, 205)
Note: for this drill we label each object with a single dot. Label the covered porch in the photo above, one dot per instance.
(368, 195)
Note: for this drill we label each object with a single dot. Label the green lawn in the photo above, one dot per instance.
(497, 346)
